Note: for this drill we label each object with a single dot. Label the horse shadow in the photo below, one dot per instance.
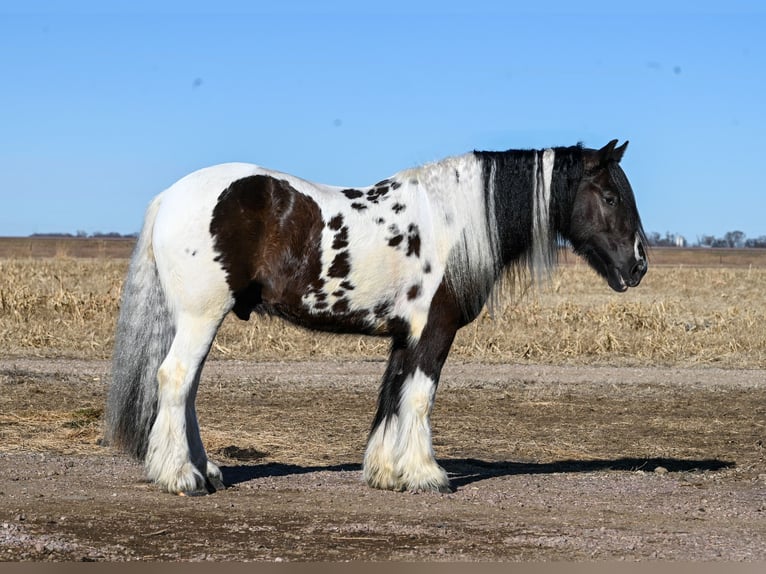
(465, 471)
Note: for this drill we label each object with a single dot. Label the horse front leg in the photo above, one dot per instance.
(399, 454)
(416, 466)
(380, 462)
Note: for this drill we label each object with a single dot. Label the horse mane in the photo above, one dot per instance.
(527, 198)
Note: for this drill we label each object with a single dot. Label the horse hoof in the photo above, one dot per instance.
(194, 493)
(214, 484)
(436, 488)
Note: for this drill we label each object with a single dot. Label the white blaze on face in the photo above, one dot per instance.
(637, 248)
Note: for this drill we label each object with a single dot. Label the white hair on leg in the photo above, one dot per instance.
(175, 458)
(416, 466)
(197, 452)
(379, 460)
(168, 460)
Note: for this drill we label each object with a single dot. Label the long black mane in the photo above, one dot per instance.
(511, 176)
(524, 234)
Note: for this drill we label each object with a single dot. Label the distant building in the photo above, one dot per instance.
(680, 241)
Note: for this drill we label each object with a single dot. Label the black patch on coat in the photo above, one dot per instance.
(345, 284)
(376, 193)
(396, 185)
(396, 235)
(352, 193)
(413, 292)
(340, 265)
(318, 284)
(398, 207)
(413, 240)
(395, 240)
(336, 222)
(340, 306)
(359, 206)
(341, 238)
(266, 235)
(382, 309)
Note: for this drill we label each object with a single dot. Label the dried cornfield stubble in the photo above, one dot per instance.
(680, 315)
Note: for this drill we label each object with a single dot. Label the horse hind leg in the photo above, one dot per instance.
(213, 475)
(176, 459)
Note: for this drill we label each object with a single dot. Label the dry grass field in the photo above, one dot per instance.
(694, 307)
(575, 424)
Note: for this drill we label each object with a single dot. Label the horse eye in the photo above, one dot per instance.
(610, 199)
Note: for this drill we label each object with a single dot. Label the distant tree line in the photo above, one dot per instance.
(85, 234)
(731, 239)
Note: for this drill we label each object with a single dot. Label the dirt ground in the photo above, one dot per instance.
(548, 463)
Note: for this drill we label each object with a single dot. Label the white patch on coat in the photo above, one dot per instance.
(183, 247)
(467, 236)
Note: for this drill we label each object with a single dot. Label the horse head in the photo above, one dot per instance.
(605, 227)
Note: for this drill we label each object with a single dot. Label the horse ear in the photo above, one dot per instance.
(617, 153)
(611, 153)
(605, 153)
(598, 159)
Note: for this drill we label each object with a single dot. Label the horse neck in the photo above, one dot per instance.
(511, 204)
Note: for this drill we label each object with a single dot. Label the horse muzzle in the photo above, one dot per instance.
(620, 279)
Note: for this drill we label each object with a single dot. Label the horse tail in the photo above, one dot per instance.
(145, 331)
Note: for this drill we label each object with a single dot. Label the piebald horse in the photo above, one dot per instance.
(414, 257)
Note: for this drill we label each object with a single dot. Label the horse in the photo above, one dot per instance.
(414, 258)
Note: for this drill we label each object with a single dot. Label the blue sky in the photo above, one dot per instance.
(104, 104)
